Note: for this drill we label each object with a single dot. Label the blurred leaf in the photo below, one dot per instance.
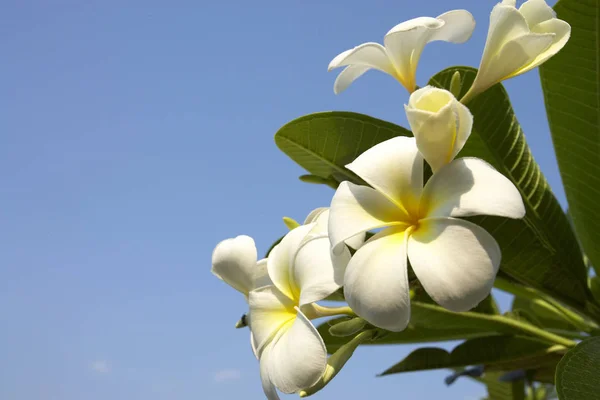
(541, 250)
(543, 313)
(571, 86)
(578, 373)
(494, 352)
(273, 246)
(594, 283)
(502, 390)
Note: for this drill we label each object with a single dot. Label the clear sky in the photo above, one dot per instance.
(134, 136)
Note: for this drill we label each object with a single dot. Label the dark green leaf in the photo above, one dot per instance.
(495, 352)
(571, 85)
(578, 373)
(323, 143)
(540, 250)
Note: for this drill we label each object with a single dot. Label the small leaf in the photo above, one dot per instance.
(578, 373)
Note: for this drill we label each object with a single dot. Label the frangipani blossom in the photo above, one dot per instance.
(234, 261)
(403, 46)
(518, 40)
(440, 123)
(455, 260)
(292, 354)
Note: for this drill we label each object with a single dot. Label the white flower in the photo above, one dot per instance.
(455, 260)
(291, 352)
(440, 123)
(403, 46)
(518, 41)
(234, 261)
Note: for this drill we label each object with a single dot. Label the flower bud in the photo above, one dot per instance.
(440, 123)
(347, 328)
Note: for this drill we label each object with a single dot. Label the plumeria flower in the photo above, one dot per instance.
(518, 40)
(403, 46)
(440, 123)
(292, 354)
(455, 260)
(234, 261)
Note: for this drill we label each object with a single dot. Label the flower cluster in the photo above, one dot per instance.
(365, 241)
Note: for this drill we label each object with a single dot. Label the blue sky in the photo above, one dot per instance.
(134, 137)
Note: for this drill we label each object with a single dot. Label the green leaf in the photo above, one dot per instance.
(498, 390)
(540, 250)
(494, 352)
(571, 86)
(578, 373)
(544, 314)
(594, 283)
(323, 143)
(430, 323)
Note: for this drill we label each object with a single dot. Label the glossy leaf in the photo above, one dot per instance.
(571, 86)
(323, 143)
(541, 250)
(577, 374)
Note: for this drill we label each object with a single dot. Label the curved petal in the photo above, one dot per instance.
(562, 33)
(456, 261)
(356, 209)
(261, 277)
(517, 56)
(321, 220)
(457, 28)
(269, 311)
(314, 214)
(372, 55)
(536, 11)
(298, 359)
(254, 345)
(317, 272)
(404, 44)
(394, 168)
(441, 125)
(279, 262)
(376, 281)
(347, 76)
(470, 186)
(267, 385)
(234, 262)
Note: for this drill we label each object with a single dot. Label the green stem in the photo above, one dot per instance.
(533, 294)
(532, 330)
(321, 311)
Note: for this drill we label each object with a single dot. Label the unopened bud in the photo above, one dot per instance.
(348, 328)
(455, 84)
(290, 223)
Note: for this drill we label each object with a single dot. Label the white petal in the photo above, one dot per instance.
(317, 272)
(261, 277)
(518, 55)
(404, 44)
(470, 186)
(456, 261)
(267, 385)
(347, 76)
(561, 31)
(457, 28)
(269, 310)
(298, 359)
(395, 169)
(254, 345)
(234, 262)
(279, 262)
(372, 55)
(536, 11)
(314, 214)
(441, 125)
(376, 281)
(356, 209)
